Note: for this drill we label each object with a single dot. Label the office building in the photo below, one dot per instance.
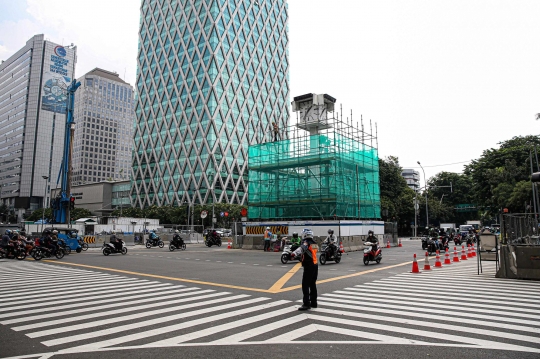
(33, 93)
(412, 177)
(100, 198)
(212, 79)
(103, 140)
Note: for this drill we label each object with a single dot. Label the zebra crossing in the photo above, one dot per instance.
(79, 311)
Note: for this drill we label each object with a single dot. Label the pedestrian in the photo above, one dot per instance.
(267, 238)
(308, 251)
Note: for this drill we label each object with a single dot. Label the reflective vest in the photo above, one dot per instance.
(266, 234)
(309, 257)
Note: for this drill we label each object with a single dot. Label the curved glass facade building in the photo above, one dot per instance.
(212, 79)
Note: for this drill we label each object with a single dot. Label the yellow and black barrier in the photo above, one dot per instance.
(89, 239)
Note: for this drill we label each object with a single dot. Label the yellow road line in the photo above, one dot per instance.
(281, 282)
(165, 277)
(345, 276)
(276, 288)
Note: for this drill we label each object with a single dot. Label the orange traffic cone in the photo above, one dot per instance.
(388, 244)
(469, 251)
(473, 251)
(399, 243)
(463, 254)
(415, 268)
(229, 245)
(341, 249)
(426, 262)
(456, 258)
(438, 263)
(447, 257)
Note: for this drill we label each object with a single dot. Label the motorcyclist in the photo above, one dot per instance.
(51, 241)
(153, 237)
(177, 240)
(6, 243)
(331, 241)
(373, 240)
(295, 241)
(28, 243)
(116, 242)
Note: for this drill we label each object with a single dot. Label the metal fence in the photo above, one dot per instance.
(519, 229)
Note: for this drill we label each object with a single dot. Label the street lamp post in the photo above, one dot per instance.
(44, 199)
(425, 185)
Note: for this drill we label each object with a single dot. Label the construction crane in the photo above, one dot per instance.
(62, 203)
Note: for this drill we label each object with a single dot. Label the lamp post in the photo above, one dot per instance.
(44, 199)
(425, 185)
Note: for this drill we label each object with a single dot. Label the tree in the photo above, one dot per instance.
(495, 174)
(396, 197)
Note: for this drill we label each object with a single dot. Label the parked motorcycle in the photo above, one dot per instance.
(287, 251)
(370, 254)
(154, 243)
(330, 253)
(109, 248)
(177, 244)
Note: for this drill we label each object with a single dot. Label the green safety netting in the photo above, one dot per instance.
(314, 177)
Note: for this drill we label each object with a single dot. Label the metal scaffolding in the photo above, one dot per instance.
(325, 167)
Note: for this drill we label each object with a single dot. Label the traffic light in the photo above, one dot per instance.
(71, 202)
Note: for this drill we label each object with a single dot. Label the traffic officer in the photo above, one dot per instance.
(308, 251)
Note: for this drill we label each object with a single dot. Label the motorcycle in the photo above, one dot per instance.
(83, 244)
(109, 248)
(62, 244)
(457, 239)
(154, 243)
(211, 240)
(39, 252)
(287, 251)
(17, 250)
(329, 252)
(177, 244)
(371, 255)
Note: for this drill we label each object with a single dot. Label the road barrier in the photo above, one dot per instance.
(89, 239)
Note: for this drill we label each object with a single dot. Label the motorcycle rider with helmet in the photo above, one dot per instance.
(331, 241)
(295, 241)
(116, 242)
(373, 240)
(177, 240)
(153, 237)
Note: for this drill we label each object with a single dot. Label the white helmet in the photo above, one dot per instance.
(54, 231)
(268, 228)
(176, 231)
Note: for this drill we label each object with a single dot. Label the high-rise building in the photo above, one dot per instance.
(103, 140)
(33, 94)
(412, 177)
(212, 78)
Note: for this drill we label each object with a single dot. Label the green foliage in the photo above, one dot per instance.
(179, 215)
(396, 197)
(501, 176)
(78, 213)
(37, 215)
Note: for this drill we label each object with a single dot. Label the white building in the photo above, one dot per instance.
(103, 140)
(33, 94)
(412, 177)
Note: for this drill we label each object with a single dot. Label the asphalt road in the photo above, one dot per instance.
(204, 302)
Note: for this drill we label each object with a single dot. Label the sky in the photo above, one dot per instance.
(443, 80)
